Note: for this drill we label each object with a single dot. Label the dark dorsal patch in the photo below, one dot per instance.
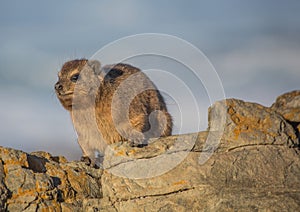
(112, 72)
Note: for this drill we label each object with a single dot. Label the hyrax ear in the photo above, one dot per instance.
(95, 65)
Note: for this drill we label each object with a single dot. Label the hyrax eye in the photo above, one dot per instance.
(75, 77)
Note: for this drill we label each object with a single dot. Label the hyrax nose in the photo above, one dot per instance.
(58, 86)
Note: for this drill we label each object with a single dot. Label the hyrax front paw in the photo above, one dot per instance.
(86, 160)
(137, 140)
(90, 162)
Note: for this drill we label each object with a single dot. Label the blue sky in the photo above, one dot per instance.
(254, 47)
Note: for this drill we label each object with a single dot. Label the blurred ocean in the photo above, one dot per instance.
(254, 47)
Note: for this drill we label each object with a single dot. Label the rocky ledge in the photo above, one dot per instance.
(247, 160)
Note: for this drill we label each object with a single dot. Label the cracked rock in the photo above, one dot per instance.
(247, 160)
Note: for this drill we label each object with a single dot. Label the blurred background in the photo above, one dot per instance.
(254, 47)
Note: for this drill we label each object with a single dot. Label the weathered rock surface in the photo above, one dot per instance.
(288, 105)
(249, 124)
(248, 160)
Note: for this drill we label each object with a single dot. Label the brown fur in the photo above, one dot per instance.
(104, 94)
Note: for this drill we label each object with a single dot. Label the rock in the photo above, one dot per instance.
(37, 182)
(246, 123)
(3, 189)
(288, 105)
(247, 160)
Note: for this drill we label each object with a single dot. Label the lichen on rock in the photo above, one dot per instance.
(255, 166)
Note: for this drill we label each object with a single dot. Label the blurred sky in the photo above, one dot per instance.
(253, 45)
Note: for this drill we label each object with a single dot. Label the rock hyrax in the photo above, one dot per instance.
(111, 104)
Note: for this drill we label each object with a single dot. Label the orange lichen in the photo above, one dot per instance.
(120, 153)
(248, 127)
(54, 207)
(250, 124)
(132, 151)
(181, 182)
(41, 186)
(292, 115)
(21, 193)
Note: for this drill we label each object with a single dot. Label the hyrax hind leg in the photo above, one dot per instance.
(133, 136)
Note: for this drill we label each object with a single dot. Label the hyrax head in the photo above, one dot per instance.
(78, 82)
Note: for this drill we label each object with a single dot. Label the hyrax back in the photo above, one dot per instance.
(122, 104)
